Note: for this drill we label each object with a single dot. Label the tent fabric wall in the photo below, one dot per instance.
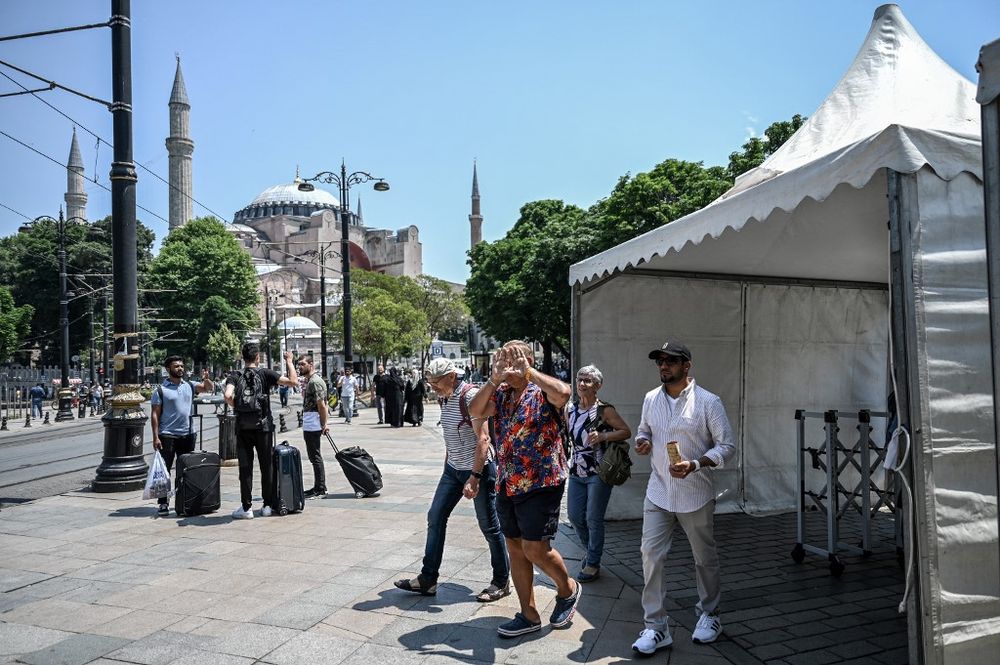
(624, 318)
(811, 348)
(958, 491)
(765, 349)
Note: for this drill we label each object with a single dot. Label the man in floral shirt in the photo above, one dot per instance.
(531, 470)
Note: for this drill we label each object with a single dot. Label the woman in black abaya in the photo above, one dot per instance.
(394, 387)
(414, 393)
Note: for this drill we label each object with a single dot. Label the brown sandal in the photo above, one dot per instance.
(416, 586)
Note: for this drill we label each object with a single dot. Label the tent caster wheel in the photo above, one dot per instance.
(836, 567)
(798, 553)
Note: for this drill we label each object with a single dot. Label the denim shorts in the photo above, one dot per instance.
(531, 516)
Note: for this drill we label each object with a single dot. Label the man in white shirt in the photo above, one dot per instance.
(685, 414)
(348, 386)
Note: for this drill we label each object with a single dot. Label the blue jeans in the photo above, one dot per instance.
(446, 497)
(36, 406)
(586, 503)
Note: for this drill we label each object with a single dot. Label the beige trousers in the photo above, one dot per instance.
(657, 536)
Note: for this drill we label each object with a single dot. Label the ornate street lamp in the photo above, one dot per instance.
(323, 252)
(344, 182)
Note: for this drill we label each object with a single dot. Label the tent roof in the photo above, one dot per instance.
(899, 106)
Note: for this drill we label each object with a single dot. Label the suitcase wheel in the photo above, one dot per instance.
(359, 495)
(283, 511)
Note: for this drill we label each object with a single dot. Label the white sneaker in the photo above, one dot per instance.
(240, 514)
(708, 629)
(265, 511)
(650, 640)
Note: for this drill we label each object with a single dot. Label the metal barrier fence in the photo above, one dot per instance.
(850, 485)
(15, 393)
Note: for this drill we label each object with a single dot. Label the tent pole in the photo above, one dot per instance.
(574, 333)
(988, 75)
(902, 203)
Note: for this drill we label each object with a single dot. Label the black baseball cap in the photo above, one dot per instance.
(671, 348)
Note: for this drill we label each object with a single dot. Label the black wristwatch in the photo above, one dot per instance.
(477, 475)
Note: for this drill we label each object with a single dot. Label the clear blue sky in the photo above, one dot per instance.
(554, 99)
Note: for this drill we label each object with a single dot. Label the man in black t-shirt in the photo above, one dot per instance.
(257, 439)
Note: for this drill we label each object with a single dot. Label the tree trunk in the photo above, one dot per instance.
(547, 357)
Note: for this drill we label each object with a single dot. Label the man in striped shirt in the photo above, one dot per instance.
(684, 416)
(469, 470)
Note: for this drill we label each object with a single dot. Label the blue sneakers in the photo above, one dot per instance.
(519, 625)
(565, 608)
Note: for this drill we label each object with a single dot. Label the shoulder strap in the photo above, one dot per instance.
(463, 408)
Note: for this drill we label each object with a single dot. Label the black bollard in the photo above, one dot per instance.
(81, 410)
(27, 420)
(281, 422)
(3, 424)
(298, 414)
(46, 421)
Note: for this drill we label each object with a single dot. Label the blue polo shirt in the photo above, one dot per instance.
(175, 418)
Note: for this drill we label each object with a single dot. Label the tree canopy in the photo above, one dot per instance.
(29, 266)
(222, 347)
(201, 279)
(757, 149)
(15, 322)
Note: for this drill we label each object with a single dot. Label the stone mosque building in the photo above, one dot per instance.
(286, 231)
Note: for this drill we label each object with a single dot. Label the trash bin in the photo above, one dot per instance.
(227, 438)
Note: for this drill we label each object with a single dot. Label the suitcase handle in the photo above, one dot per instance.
(330, 439)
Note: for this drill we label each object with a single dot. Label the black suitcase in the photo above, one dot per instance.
(360, 469)
(198, 481)
(286, 480)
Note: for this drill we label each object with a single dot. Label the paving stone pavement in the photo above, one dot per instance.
(99, 578)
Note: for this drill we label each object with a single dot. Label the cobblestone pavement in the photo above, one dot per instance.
(98, 578)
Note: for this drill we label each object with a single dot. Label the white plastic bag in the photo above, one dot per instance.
(158, 480)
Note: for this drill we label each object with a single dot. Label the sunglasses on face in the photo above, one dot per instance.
(660, 362)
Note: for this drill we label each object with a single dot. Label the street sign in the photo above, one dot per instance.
(437, 350)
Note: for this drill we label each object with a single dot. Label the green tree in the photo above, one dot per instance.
(202, 278)
(757, 149)
(222, 347)
(15, 323)
(29, 266)
(518, 286)
(444, 308)
(638, 204)
(381, 326)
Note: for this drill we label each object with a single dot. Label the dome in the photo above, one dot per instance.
(290, 194)
(297, 323)
(286, 199)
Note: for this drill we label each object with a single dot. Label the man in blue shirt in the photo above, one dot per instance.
(37, 397)
(170, 415)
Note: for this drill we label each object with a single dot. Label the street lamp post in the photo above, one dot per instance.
(323, 252)
(344, 182)
(105, 354)
(123, 467)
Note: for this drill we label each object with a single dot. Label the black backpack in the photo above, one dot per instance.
(616, 465)
(250, 400)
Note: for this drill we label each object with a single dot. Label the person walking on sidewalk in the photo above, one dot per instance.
(685, 415)
(379, 382)
(170, 415)
(592, 424)
(531, 460)
(469, 470)
(37, 394)
(314, 422)
(255, 424)
(348, 386)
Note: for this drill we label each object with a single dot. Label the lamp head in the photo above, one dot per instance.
(306, 187)
(381, 186)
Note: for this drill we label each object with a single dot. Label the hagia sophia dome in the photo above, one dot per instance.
(287, 199)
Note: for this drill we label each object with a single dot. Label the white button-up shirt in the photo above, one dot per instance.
(698, 423)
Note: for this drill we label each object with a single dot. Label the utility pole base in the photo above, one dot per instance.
(65, 405)
(123, 468)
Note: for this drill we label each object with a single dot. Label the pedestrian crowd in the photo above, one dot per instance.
(513, 446)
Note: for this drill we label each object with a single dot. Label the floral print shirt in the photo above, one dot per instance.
(530, 452)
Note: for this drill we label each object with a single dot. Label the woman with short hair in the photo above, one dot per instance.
(592, 424)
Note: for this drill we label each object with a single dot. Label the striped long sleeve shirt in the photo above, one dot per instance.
(697, 422)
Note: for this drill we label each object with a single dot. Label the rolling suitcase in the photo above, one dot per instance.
(198, 474)
(360, 469)
(286, 480)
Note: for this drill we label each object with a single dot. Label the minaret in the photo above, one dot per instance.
(475, 219)
(358, 213)
(76, 198)
(179, 147)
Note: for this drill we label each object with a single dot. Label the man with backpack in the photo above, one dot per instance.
(170, 415)
(249, 394)
(469, 469)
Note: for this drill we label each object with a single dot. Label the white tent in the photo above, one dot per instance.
(782, 290)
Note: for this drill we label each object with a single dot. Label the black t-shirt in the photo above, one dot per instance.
(270, 379)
